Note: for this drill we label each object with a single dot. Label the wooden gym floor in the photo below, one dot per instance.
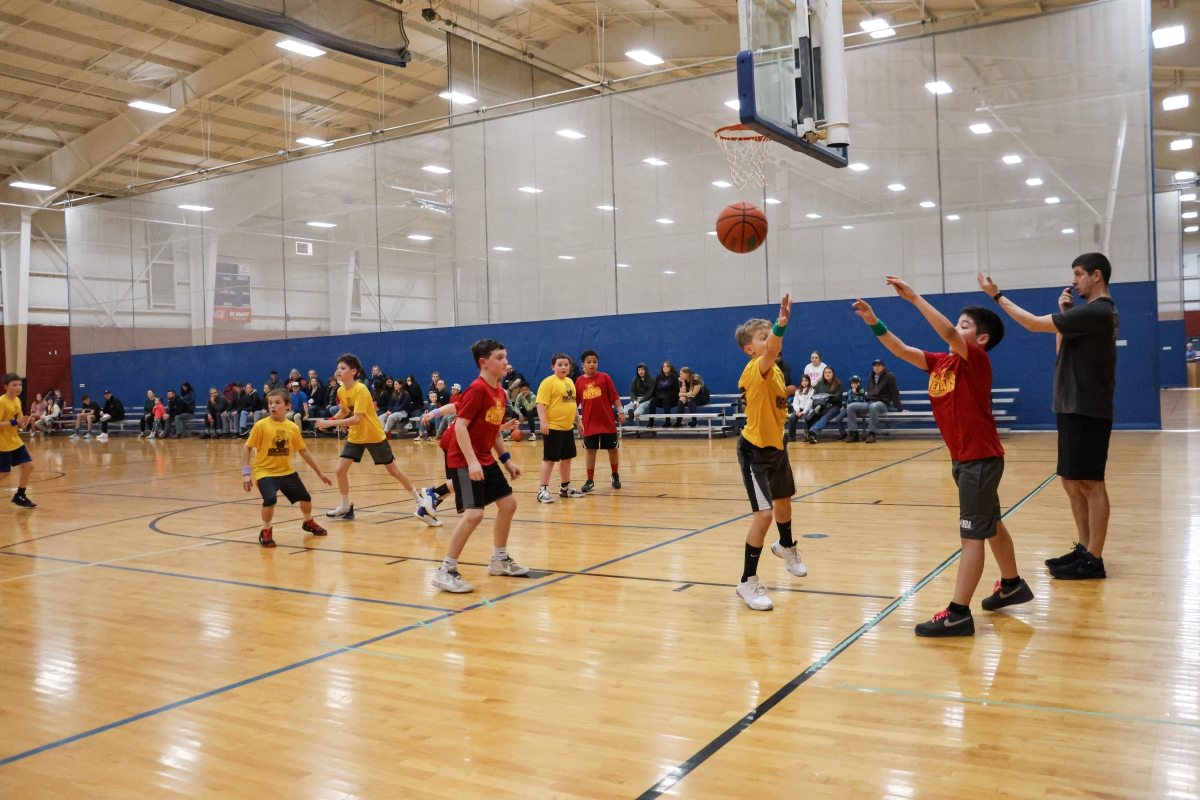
(149, 648)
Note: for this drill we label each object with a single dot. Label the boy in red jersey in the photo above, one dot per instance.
(600, 410)
(476, 475)
(960, 388)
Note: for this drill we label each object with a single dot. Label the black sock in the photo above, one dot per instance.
(442, 491)
(1010, 583)
(565, 484)
(785, 533)
(955, 608)
(20, 491)
(751, 564)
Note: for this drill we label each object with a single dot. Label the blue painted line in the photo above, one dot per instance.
(1029, 706)
(275, 588)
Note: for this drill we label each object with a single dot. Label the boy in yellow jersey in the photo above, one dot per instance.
(356, 411)
(766, 470)
(275, 437)
(12, 450)
(556, 413)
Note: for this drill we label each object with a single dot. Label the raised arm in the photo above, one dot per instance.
(936, 319)
(890, 340)
(1028, 321)
(775, 342)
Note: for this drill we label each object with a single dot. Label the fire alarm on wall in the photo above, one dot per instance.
(304, 248)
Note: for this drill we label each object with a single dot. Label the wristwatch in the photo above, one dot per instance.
(996, 297)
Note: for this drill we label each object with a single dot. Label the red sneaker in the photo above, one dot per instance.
(311, 526)
(266, 539)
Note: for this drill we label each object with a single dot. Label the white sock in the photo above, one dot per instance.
(417, 494)
(500, 552)
(345, 506)
(450, 564)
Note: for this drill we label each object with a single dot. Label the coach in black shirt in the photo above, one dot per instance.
(1085, 377)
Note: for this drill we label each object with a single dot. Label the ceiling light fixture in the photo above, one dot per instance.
(847, 227)
(712, 233)
(155, 107)
(607, 208)
(458, 97)
(736, 105)
(771, 201)
(322, 225)
(722, 184)
(1181, 144)
(502, 249)
(1186, 175)
(419, 237)
(953, 217)
(883, 34)
(1010, 160)
(939, 87)
(1033, 181)
(1191, 229)
(981, 127)
(859, 167)
(187, 207)
(1068, 230)
(1175, 101)
(311, 141)
(301, 48)
(896, 187)
(813, 216)
(37, 187)
(1169, 37)
(644, 57)
(1187, 198)
(622, 265)
(1052, 200)
(530, 190)
(567, 258)
(654, 162)
(665, 221)
(927, 204)
(567, 133)
(435, 169)
(668, 272)
(873, 24)
(1190, 214)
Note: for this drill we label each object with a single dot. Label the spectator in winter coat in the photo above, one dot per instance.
(113, 411)
(829, 385)
(801, 403)
(641, 389)
(882, 393)
(217, 406)
(666, 392)
(147, 423)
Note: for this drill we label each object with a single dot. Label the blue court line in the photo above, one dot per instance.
(729, 734)
(373, 640)
(1030, 706)
(361, 650)
(43, 558)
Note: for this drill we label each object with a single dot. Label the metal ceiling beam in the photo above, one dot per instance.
(108, 48)
(134, 25)
(669, 43)
(94, 150)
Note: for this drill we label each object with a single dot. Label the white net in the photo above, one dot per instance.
(747, 154)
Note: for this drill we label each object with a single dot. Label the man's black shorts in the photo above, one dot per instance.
(290, 486)
(1082, 447)
(978, 496)
(381, 452)
(558, 445)
(478, 494)
(767, 473)
(601, 441)
(13, 458)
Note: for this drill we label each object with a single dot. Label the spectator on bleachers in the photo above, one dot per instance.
(693, 394)
(511, 376)
(160, 419)
(855, 396)
(398, 409)
(275, 382)
(438, 397)
(331, 389)
(318, 398)
(433, 383)
(147, 423)
(298, 398)
(231, 419)
(801, 403)
(641, 389)
(573, 372)
(176, 412)
(830, 386)
(113, 411)
(666, 392)
(294, 376)
(443, 422)
(187, 402)
(89, 412)
(786, 369)
(815, 368)
(1191, 354)
(213, 412)
(37, 407)
(377, 381)
(51, 415)
(232, 390)
(415, 400)
(882, 395)
(524, 402)
(252, 409)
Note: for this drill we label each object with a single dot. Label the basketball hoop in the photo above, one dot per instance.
(747, 154)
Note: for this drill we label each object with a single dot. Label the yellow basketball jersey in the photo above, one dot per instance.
(765, 400)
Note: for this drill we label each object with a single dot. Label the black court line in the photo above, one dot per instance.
(390, 634)
(709, 750)
(724, 585)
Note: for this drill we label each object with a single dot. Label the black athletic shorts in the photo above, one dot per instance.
(478, 494)
(558, 445)
(290, 486)
(767, 473)
(601, 441)
(381, 452)
(1082, 447)
(978, 496)
(13, 458)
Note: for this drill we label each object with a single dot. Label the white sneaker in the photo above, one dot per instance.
(791, 557)
(151, 436)
(105, 417)
(544, 495)
(141, 434)
(423, 515)
(87, 436)
(449, 581)
(75, 435)
(427, 499)
(341, 513)
(506, 566)
(571, 492)
(102, 437)
(754, 594)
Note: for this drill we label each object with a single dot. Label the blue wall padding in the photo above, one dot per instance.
(1172, 364)
(701, 339)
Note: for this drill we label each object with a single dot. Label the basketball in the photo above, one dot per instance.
(741, 227)
(518, 436)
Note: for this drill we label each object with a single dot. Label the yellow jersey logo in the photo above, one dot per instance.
(280, 447)
(941, 383)
(592, 392)
(495, 415)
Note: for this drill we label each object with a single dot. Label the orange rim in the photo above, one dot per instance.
(728, 134)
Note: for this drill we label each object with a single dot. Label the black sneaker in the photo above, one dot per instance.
(616, 481)
(1000, 598)
(1086, 567)
(588, 486)
(870, 439)
(23, 501)
(853, 438)
(947, 623)
(810, 437)
(1069, 558)
(842, 436)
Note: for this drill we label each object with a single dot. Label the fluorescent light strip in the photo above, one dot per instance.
(665, 221)
(607, 208)
(722, 184)
(1052, 200)
(939, 87)
(530, 190)
(155, 107)
(1033, 181)
(1191, 229)
(1175, 102)
(859, 167)
(37, 187)
(196, 208)
(567, 133)
(644, 57)
(311, 141)
(883, 34)
(655, 162)
(896, 187)
(927, 204)
(1010, 160)
(419, 237)
(1181, 144)
(458, 97)
(501, 249)
(300, 48)
(813, 216)
(1068, 230)
(322, 225)
(771, 201)
(736, 105)
(953, 217)
(1186, 175)
(980, 128)
(1169, 37)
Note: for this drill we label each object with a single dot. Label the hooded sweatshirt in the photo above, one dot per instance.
(883, 388)
(642, 388)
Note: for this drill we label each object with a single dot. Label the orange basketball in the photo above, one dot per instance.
(518, 435)
(741, 227)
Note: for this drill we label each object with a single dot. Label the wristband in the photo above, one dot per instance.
(778, 329)
(13, 423)
(996, 297)
(879, 329)
(246, 471)
(505, 456)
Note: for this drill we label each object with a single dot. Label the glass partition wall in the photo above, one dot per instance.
(606, 205)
